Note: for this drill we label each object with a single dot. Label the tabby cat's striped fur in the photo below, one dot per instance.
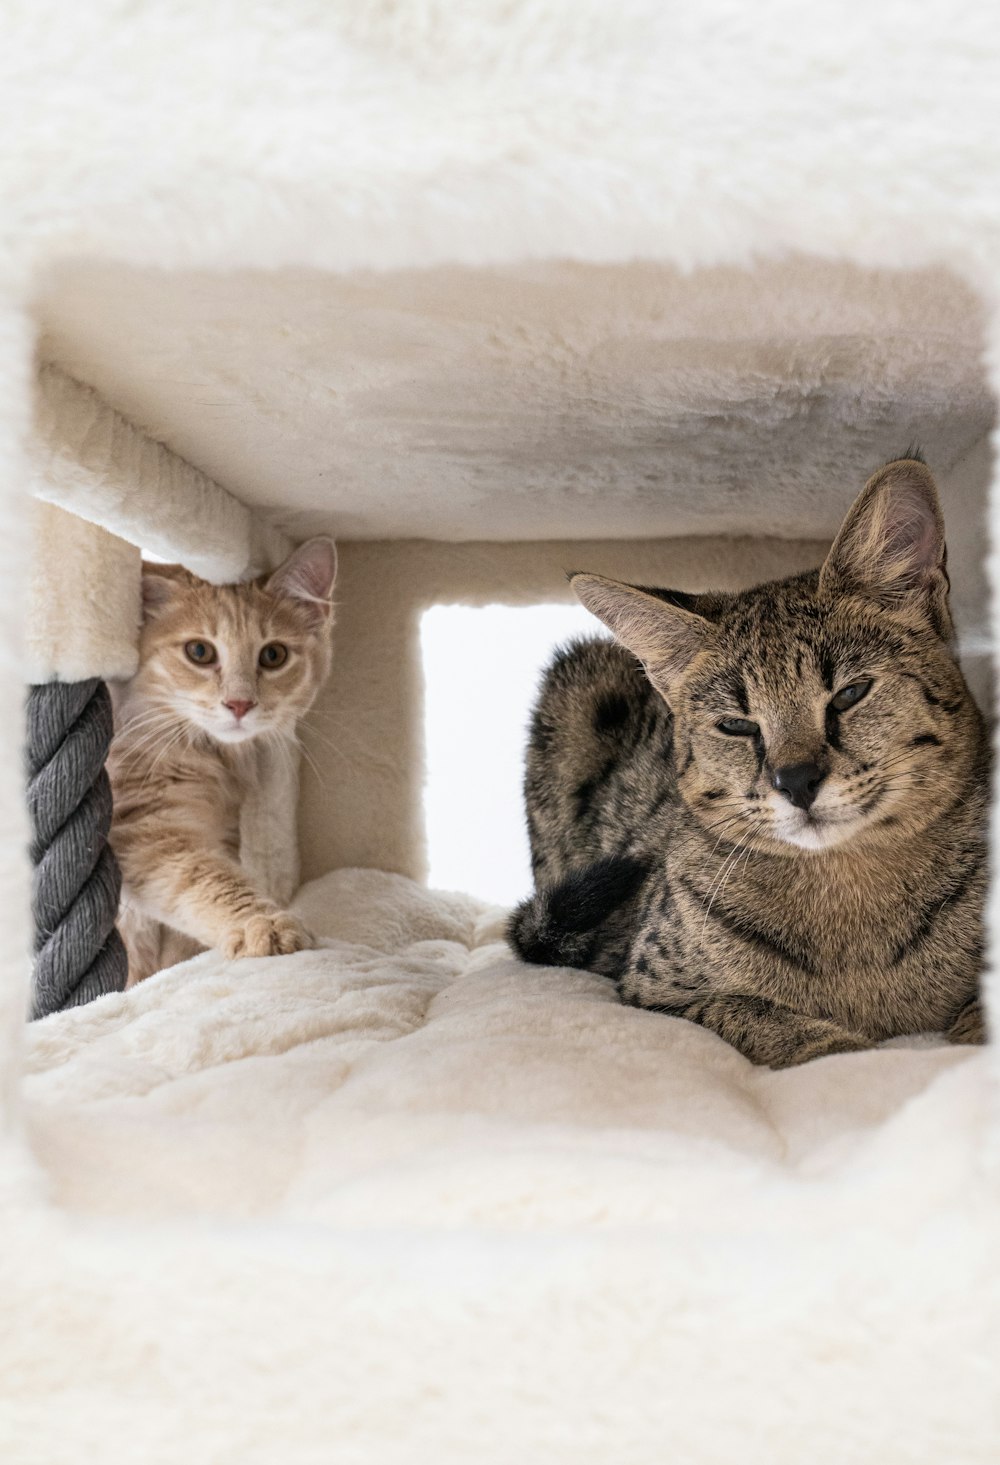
(778, 830)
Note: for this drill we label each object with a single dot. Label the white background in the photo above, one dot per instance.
(482, 666)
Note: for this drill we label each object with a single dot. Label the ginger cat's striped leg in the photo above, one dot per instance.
(142, 937)
(206, 895)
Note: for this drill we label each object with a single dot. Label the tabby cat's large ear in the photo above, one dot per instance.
(308, 575)
(891, 546)
(663, 637)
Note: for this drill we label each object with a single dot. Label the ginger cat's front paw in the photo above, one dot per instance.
(267, 934)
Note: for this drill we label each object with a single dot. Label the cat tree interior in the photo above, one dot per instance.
(698, 430)
(455, 428)
(488, 292)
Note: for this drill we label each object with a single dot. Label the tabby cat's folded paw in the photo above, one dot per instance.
(270, 934)
(968, 1026)
(820, 1047)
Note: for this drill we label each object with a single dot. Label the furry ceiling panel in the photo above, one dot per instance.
(534, 402)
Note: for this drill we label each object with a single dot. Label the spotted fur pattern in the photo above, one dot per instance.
(765, 811)
(188, 728)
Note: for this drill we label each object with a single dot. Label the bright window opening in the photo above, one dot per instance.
(481, 671)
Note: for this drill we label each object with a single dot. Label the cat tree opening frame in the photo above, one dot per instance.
(393, 148)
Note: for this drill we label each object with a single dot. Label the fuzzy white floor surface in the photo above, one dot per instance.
(402, 1198)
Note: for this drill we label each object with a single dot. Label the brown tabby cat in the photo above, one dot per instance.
(223, 670)
(780, 830)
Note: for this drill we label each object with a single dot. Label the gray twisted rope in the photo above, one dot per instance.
(78, 952)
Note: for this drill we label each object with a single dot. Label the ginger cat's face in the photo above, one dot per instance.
(238, 661)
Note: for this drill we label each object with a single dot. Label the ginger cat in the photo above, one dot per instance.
(223, 669)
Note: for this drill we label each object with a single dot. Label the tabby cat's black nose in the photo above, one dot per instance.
(799, 783)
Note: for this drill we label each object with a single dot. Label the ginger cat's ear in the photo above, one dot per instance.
(664, 637)
(161, 585)
(891, 547)
(308, 575)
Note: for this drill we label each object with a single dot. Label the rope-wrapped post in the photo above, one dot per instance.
(79, 954)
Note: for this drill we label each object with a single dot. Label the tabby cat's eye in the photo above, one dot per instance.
(202, 653)
(272, 656)
(738, 727)
(849, 696)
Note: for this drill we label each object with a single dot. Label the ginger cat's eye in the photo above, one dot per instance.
(850, 696)
(738, 727)
(272, 656)
(202, 653)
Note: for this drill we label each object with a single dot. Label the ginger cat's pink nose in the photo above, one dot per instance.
(239, 709)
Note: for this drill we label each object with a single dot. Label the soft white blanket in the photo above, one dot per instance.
(506, 1219)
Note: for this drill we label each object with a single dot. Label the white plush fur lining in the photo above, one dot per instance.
(400, 1199)
(403, 1199)
(98, 466)
(83, 600)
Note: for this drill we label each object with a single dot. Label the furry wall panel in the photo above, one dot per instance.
(368, 740)
(16, 383)
(83, 605)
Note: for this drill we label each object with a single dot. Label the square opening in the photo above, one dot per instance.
(481, 668)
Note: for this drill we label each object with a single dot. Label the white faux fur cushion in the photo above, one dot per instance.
(413, 1072)
(402, 1199)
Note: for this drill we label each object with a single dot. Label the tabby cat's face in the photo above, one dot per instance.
(812, 719)
(821, 710)
(237, 661)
